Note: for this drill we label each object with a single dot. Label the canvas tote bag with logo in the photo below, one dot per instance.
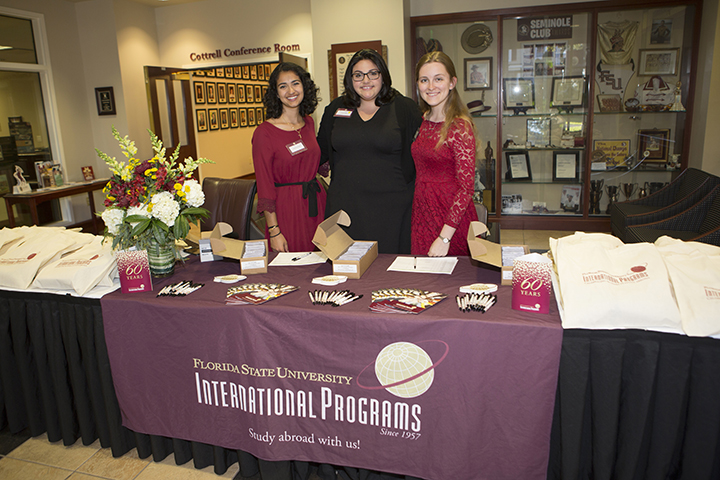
(606, 284)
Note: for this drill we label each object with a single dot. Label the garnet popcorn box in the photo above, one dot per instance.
(531, 283)
(134, 270)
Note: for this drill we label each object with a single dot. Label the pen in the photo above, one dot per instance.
(301, 256)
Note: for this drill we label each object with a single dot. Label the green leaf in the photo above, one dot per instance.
(141, 226)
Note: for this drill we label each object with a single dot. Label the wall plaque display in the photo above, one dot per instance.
(220, 72)
(251, 117)
(242, 112)
(258, 94)
(566, 166)
(478, 73)
(249, 95)
(518, 166)
(231, 95)
(210, 73)
(233, 118)
(229, 72)
(240, 93)
(105, 99)
(199, 93)
(259, 115)
(653, 145)
(222, 92)
(211, 93)
(201, 120)
(658, 61)
(213, 119)
(224, 118)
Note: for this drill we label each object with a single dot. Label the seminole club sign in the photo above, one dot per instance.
(544, 28)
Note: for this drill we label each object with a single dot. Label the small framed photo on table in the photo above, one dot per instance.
(518, 166)
(519, 94)
(478, 73)
(658, 61)
(566, 166)
(653, 145)
(568, 92)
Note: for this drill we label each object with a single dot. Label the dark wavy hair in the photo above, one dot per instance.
(271, 100)
(387, 93)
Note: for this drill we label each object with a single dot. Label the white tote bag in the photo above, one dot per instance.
(694, 270)
(606, 284)
(80, 270)
(40, 245)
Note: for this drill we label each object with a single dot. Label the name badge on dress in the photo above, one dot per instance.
(296, 147)
(343, 112)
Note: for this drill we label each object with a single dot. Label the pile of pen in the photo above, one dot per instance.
(476, 302)
(334, 298)
(180, 289)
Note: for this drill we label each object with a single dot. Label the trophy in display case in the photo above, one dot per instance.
(613, 194)
(628, 189)
(643, 191)
(596, 194)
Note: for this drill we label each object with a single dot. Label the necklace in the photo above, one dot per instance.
(292, 125)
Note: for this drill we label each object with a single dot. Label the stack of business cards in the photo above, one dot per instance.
(254, 249)
(404, 300)
(330, 280)
(256, 293)
(356, 251)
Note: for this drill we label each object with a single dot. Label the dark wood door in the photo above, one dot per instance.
(171, 112)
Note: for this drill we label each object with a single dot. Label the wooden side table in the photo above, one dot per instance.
(35, 198)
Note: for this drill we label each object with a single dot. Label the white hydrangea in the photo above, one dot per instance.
(141, 210)
(165, 208)
(194, 195)
(113, 217)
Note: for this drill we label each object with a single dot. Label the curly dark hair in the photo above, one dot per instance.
(352, 99)
(271, 100)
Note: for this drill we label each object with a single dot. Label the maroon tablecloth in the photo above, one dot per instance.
(291, 380)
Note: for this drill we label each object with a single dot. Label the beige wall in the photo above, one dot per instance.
(230, 24)
(332, 23)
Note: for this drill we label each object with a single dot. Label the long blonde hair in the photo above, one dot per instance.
(454, 106)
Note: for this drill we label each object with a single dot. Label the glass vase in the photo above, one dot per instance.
(161, 257)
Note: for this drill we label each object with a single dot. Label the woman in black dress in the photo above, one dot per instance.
(366, 135)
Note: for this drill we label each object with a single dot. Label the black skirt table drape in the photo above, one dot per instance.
(630, 404)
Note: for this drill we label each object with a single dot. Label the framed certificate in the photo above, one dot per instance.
(566, 166)
(538, 132)
(518, 166)
(518, 93)
(658, 61)
(568, 92)
(615, 151)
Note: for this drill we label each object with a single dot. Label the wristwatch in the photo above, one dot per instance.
(444, 240)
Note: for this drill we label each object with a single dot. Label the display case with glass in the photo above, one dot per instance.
(572, 110)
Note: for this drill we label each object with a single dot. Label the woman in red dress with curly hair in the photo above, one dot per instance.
(444, 154)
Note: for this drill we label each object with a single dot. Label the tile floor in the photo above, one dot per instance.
(37, 458)
(23, 458)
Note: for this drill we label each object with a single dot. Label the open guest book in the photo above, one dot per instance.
(444, 265)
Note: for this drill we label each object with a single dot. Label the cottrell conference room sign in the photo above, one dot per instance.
(544, 28)
(230, 53)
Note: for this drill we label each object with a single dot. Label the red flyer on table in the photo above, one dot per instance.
(134, 270)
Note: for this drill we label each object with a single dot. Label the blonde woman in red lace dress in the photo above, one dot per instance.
(444, 154)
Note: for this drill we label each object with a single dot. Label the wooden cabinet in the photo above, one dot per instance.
(575, 105)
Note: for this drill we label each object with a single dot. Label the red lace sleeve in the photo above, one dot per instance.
(461, 141)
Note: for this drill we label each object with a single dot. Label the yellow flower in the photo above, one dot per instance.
(150, 205)
(177, 186)
(111, 198)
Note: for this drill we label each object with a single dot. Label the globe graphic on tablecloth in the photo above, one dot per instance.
(400, 361)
